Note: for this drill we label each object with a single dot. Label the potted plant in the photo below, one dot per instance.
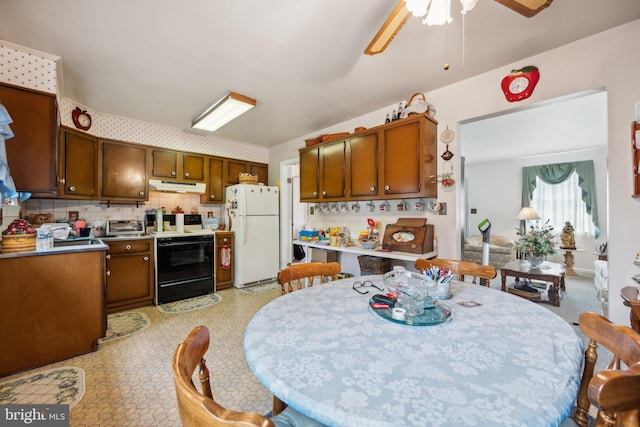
(536, 243)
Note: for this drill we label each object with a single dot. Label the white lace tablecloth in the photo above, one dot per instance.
(506, 362)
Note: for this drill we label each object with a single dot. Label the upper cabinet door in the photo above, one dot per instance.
(31, 152)
(310, 174)
(78, 165)
(333, 170)
(192, 167)
(164, 164)
(124, 171)
(363, 166)
(234, 169)
(215, 182)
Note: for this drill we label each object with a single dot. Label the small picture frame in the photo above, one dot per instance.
(74, 216)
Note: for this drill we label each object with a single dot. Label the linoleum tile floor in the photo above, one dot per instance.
(129, 381)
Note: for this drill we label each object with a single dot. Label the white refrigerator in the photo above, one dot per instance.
(252, 211)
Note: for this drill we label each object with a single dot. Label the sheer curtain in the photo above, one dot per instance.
(570, 194)
(563, 202)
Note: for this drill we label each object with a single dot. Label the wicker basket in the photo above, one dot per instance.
(247, 178)
(18, 243)
(374, 265)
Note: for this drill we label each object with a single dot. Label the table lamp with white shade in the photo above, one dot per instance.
(526, 214)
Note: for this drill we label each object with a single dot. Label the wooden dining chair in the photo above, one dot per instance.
(461, 268)
(614, 391)
(197, 408)
(295, 276)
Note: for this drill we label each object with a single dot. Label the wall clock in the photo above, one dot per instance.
(519, 84)
(81, 119)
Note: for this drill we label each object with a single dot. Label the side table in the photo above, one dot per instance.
(569, 261)
(630, 296)
(548, 272)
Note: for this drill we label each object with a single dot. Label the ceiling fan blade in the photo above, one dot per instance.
(527, 8)
(389, 29)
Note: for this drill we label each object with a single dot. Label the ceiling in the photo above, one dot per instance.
(568, 124)
(165, 62)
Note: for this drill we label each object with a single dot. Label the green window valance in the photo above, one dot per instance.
(559, 172)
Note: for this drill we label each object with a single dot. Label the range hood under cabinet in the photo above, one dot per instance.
(177, 186)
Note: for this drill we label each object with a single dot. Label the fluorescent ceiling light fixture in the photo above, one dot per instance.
(222, 112)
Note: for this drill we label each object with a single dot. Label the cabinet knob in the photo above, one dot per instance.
(72, 188)
(145, 259)
(108, 256)
(108, 273)
(173, 173)
(372, 189)
(387, 188)
(212, 196)
(315, 193)
(433, 179)
(127, 247)
(324, 193)
(186, 174)
(141, 193)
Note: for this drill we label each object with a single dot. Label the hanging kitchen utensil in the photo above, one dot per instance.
(447, 155)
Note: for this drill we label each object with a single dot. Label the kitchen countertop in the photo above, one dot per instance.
(67, 246)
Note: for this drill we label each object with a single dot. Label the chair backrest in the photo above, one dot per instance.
(198, 408)
(615, 391)
(295, 276)
(461, 268)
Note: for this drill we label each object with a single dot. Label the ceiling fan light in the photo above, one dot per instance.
(439, 13)
(418, 8)
(468, 5)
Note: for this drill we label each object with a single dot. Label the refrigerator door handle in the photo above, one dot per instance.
(244, 228)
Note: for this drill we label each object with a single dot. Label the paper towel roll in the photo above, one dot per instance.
(180, 222)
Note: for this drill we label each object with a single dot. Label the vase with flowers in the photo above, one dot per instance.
(536, 243)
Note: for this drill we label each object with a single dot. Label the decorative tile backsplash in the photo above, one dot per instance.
(96, 211)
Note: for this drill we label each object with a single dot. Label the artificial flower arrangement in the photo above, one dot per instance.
(537, 241)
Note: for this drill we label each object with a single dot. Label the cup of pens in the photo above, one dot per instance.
(441, 277)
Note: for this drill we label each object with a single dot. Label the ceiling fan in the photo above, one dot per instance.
(401, 13)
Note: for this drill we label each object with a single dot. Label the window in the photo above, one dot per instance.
(568, 194)
(563, 202)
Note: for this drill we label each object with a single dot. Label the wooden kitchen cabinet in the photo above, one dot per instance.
(215, 182)
(31, 153)
(409, 161)
(391, 161)
(124, 172)
(167, 164)
(130, 273)
(310, 174)
(78, 165)
(235, 167)
(52, 307)
(323, 172)
(224, 271)
(635, 158)
(363, 166)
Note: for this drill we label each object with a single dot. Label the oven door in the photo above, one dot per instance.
(184, 267)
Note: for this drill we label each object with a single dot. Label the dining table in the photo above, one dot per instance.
(495, 359)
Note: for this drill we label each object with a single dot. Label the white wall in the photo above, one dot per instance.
(604, 60)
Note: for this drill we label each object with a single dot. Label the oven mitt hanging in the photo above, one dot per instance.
(225, 257)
